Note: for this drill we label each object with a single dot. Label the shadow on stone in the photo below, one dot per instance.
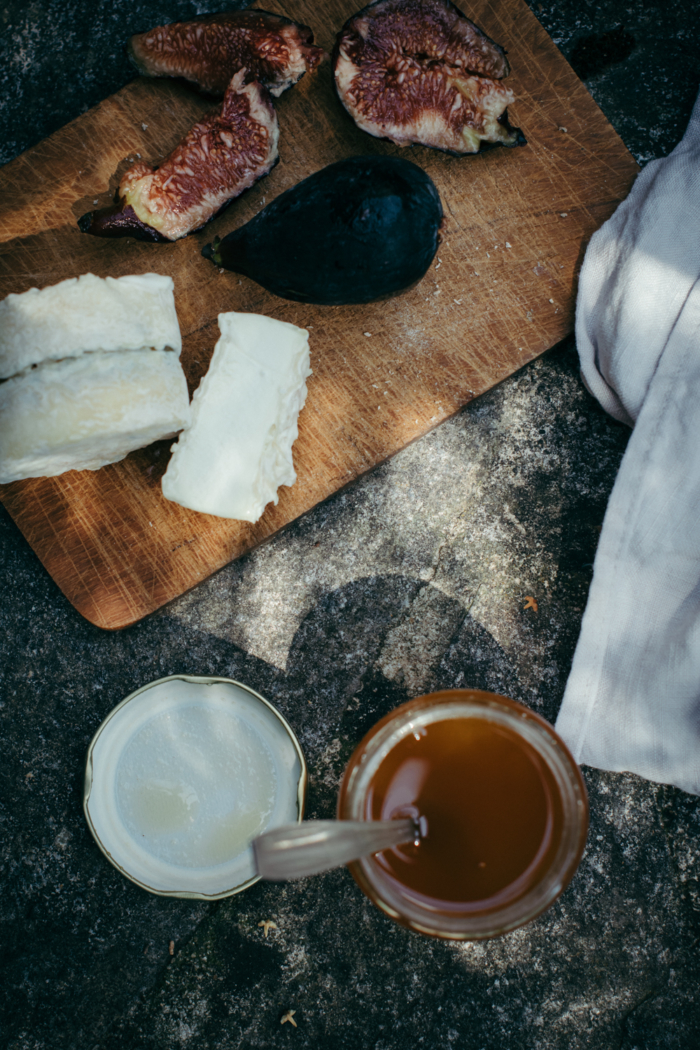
(593, 54)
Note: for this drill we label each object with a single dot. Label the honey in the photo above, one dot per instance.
(500, 803)
(490, 814)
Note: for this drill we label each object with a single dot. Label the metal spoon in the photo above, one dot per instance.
(295, 850)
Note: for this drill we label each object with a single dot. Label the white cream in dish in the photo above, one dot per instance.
(181, 777)
(81, 413)
(238, 449)
(195, 785)
(84, 314)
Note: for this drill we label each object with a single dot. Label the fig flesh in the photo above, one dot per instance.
(208, 51)
(364, 228)
(419, 71)
(218, 159)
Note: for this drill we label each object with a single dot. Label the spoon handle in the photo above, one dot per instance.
(295, 850)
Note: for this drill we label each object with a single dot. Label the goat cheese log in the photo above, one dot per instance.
(238, 450)
(87, 313)
(94, 373)
(85, 412)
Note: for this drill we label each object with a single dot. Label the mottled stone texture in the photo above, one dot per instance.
(413, 579)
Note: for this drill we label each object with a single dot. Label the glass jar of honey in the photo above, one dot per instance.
(501, 805)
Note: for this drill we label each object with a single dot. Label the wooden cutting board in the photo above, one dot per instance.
(501, 292)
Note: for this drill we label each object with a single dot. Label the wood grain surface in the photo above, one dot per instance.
(501, 292)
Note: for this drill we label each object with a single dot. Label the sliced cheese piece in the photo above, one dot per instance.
(87, 313)
(82, 413)
(238, 450)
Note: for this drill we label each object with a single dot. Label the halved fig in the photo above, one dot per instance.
(218, 159)
(418, 71)
(210, 50)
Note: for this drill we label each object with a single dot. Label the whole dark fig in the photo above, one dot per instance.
(419, 71)
(358, 230)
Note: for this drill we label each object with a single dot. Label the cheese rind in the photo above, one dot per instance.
(238, 450)
(84, 314)
(85, 412)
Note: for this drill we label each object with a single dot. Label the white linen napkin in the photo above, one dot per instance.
(632, 701)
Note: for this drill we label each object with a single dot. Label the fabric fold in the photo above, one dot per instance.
(632, 701)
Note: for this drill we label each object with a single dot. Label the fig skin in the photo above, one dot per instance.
(218, 159)
(420, 72)
(119, 221)
(209, 50)
(361, 229)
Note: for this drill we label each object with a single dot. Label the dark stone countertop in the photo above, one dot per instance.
(412, 579)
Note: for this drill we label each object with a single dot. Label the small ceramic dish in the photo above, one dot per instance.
(182, 775)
